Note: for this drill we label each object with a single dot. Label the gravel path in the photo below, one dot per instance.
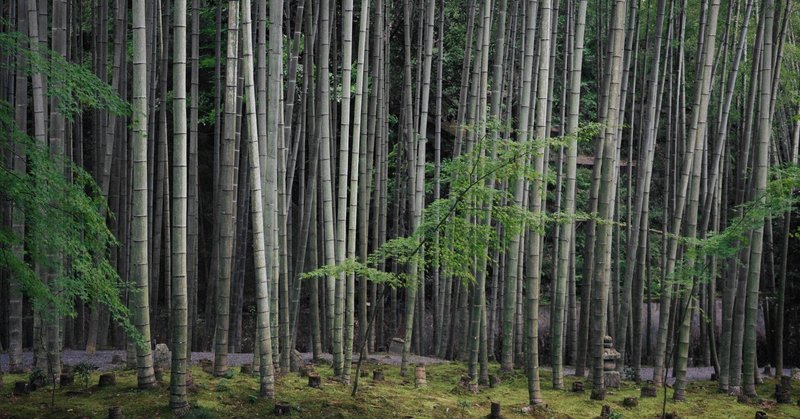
(103, 359)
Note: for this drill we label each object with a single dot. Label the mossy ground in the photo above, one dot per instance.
(236, 397)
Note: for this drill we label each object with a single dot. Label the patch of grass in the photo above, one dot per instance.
(235, 397)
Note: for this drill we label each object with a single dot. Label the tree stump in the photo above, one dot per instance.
(783, 391)
(495, 412)
(494, 380)
(305, 369)
(767, 371)
(419, 376)
(761, 415)
(314, 380)
(21, 388)
(114, 412)
(630, 402)
(282, 409)
(466, 384)
(107, 379)
(605, 412)
(577, 387)
(649, 390)
(364, 374)
(377, 375)
(598, 394)
(672, 415)
(67, 379)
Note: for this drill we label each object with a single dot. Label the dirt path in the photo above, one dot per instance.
(103, 360)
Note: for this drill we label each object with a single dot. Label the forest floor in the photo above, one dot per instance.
(235, 396)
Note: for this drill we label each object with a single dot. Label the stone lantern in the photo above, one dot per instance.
(611, 376)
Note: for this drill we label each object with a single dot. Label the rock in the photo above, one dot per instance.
(796, 374)
(117, 359)
(107, 379)
(630, 402)
(396, 346)
(162, 356)
(159, 373)
(297, 358)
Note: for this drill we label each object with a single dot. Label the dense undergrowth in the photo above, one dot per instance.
(396, 397)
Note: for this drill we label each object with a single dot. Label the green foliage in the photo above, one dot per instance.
(84, 371)
(66, 243)
(474, 181)
(75, 87)
(778, 198)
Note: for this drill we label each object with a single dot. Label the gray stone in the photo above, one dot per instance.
(796, 374)
(396, 346)
(162, 356)
(612, 379)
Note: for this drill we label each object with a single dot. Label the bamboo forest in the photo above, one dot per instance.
(400, 208)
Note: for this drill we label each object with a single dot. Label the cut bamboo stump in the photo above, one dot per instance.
(246, 369)
(783, 391)
(630, 402)
(419, 376)
(649, 390)
(761, 415)
(598, 394)
(108, 379)
(114, 412)
(314, 380)
(577, 387)
(495, 412)
(605, 412)
(21, 388)
(377, 375)
(494, 381)
(67, 379)
(282, 409)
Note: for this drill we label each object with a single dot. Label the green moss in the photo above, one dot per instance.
(236, 397)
